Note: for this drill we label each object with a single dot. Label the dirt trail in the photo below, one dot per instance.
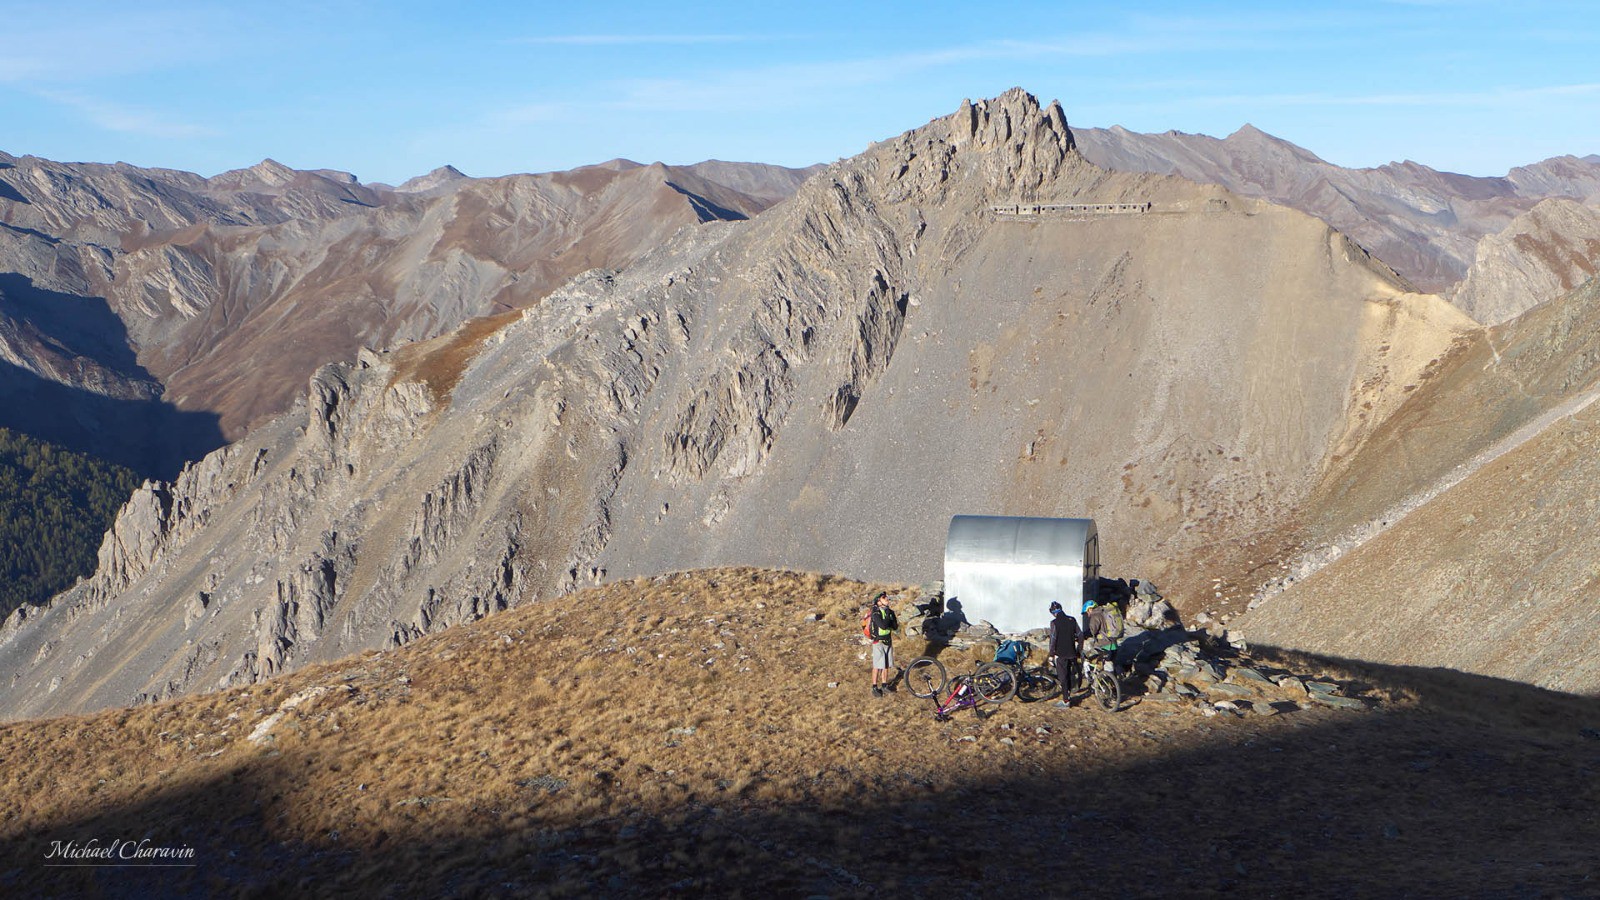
(1311, 561)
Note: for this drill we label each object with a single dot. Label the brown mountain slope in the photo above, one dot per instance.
(1541, 255)
(487, 246)
(710, 734)
(1466, 525)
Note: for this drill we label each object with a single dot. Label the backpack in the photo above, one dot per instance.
(890, 621)
(1012, 653)
(1113, 618)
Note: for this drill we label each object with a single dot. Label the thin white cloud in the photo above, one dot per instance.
(43, 45)
(528, 114)
(600, 40)
(126, 119)
(773, 86)
(781, 85)
(1498, 96)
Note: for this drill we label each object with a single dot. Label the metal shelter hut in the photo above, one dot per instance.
(1007, 569)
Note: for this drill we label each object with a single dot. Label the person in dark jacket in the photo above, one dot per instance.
(1064, 651)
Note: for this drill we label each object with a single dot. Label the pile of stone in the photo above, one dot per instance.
(1148, 611)
(1184, 670)
(926, 617)
(1168, 663)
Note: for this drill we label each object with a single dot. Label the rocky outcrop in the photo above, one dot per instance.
(1541, 255)
(159, 517)
(444, 176)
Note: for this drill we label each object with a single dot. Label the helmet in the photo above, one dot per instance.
(1055, 607)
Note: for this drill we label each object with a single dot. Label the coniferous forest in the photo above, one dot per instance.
(54, 506)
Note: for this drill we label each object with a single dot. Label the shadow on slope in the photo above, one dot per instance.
(72, 324)
(1492, 701)
(7, 192)
(706, 210)
(1412, 802)
(122, 424)
(151, 437)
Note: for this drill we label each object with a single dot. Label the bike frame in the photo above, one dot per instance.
(962, 696)
(1099, 661)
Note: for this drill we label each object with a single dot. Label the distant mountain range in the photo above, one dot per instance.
(156, 313)
(199, 305)
(970, 317)
(1424, 223)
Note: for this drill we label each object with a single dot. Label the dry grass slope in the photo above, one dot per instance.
(679, 735)
(439, 362)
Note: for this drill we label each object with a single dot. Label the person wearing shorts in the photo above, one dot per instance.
(884, 624)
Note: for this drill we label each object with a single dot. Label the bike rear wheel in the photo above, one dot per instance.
(925, 677)
(996, 683)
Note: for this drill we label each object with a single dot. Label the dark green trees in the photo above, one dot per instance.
(54, 506)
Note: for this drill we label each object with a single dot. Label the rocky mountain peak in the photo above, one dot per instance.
(337, 176)
(1009, 147)
(1013, 117)
(1544, 253)
(1566, 176)
(446, 174)
(1255, 140)
(268, 177)
(267, 173)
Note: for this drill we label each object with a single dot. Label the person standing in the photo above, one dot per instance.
(1064, 652)
(1102, 628)
(882, 626)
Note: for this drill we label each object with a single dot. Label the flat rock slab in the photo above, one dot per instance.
(1247, 675)
(1230, 690)
(1338, 702)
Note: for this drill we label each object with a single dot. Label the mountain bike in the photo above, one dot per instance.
(966, 692)
(992, 682)
(1033, 682)
(1103, 680)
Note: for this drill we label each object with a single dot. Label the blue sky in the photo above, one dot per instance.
(390, 90)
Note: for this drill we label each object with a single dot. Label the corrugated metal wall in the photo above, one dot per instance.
(1007, 569)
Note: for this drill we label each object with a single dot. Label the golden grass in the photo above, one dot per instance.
(679, 735)
(440, 362)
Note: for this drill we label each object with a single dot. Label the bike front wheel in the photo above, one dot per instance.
(996, 683)
(1037, 684)
(925, 677)
(1107, 690)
